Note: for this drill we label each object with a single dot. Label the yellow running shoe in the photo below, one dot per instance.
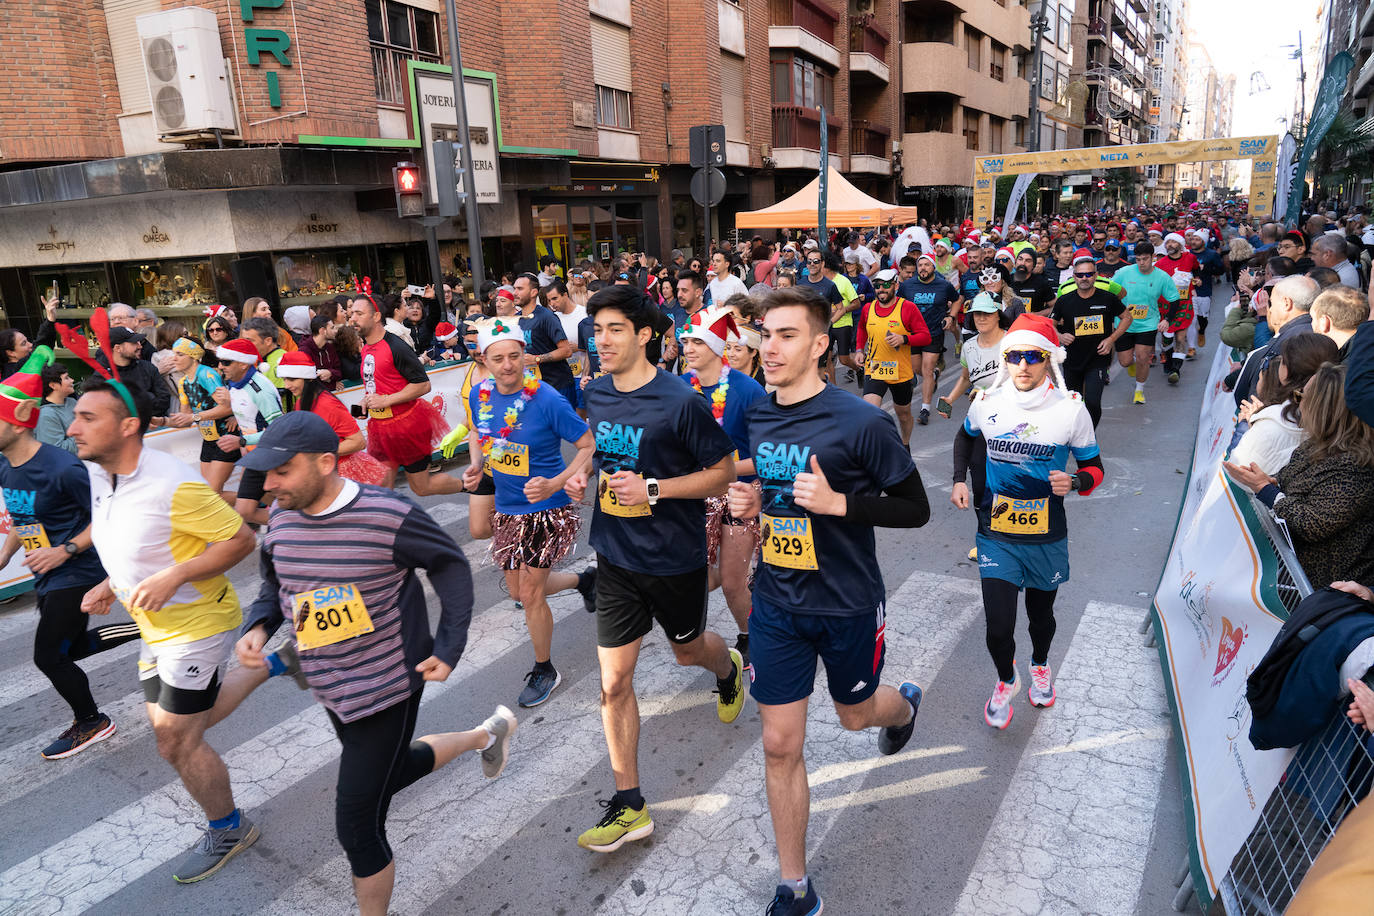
(731, 691)
(1139, 398)
(617, 826)
(1130, 370)
(973, 553)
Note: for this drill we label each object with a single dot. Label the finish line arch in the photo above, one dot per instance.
(1261, 151)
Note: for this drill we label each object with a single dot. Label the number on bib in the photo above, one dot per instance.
(33, 537)
(380, 413)
(606, 498)
(882, 370)
(1020, 516)
(208, 431)
(1140, 312)
(513, 460)
(789, 543)
(1087, 325)
(328, 615)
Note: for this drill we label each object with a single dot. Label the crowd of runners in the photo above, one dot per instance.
(717, 425)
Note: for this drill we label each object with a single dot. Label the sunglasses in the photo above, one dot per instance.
(813, 260)
(1085, 276)
(882, 284)
(1029, 357)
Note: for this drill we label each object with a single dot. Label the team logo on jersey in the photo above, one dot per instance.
(20, 502)
(1024, 431)
(780, 460)
(619, 439)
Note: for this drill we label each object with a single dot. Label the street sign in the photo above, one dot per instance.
(707, 145)
(708, 187)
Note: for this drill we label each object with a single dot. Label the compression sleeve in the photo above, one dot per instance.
(963, 453)
(1090, 474)
(902, 505)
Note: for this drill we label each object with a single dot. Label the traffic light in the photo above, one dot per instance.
(410, 192)
(1101, 183)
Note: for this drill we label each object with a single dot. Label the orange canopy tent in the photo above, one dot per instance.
(846, 205)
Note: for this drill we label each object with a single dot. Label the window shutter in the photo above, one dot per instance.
(128, 51)
(610, 55)
(732, 95)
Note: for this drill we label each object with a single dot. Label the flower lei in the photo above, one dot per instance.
(718, 396)
(495, 446)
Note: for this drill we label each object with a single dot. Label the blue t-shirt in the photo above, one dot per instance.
(547, 420)
(1210, 262)
(1128, 250)
(586, 340)
(52, 489)
(662, 429)
(823, 287)
(739, 397)
(543, 333)
(933, 299)
(859, 452)
(969, 285)
(864, 287)
(1143, 292)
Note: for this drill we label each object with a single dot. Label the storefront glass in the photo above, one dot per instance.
(308, 277)
(81, 286)
(168, 284)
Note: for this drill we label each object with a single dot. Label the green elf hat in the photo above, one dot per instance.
(22, 393)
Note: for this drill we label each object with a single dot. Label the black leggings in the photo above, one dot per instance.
(378, 760)
(999, 606)
(1088, 381)
(62, 637)
(978, 470)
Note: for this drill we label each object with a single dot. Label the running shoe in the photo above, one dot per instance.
(973, 554)
(79, 736)
(1192, 353)
(502, 724)
(286, 660)
(618, 826)
(1041, 692)
(1201, 339)
(1138, 398)
(893, 738)
(1173, 377)
(785, 902)
(539, 683)
(731, 690)
(1130, 370)
(997, 712)
(216, 847)
(924, 419)
(586, 587)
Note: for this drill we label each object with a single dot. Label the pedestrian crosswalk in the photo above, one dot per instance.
(459, 838)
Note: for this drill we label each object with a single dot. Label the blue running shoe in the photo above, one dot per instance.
(538, 685)
(785, 902)
(893, 739)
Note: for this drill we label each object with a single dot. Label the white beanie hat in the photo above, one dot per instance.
(498, 330)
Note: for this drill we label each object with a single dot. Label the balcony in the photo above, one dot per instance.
(1366, 23)
(870, 148)
(1363, 78)
(803, 26)
(936, 158)
(934, 66)
(868, 51)
(797, 138)
(1098, 28)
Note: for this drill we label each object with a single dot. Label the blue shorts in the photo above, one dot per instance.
(783, 647)
(1040, 566)
(572, 394)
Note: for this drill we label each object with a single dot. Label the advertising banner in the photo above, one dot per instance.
(1018, 191)
(1215, 613)
(1324, 110)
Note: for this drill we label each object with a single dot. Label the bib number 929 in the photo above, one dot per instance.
(789, 543)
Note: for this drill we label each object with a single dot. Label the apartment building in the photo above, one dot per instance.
(1349, 26)
(1207, 114)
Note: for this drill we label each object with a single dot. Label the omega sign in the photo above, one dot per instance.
(433, 93)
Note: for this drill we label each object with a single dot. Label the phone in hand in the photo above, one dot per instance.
(944, 408)
(357, 411)
(415, 290)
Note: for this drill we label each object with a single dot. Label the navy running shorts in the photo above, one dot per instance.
(783, 648)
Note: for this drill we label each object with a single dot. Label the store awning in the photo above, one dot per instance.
(846, 205)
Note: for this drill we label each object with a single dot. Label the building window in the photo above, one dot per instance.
(1018, 129)
(999, 62)
(929, 113)
(398, 33)
(811, 85)
(970, 129)
(612, 107)
(996, 128)
(973, 41)
(1159, 47)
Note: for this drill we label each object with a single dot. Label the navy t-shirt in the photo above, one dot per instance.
(933, 299)
(859, 452)
(52, 489)
(586, 340)
(969, 285)
(739, 397)
(662, 429)
(824, 287)
(546, 421)
(543, 333)
(1210, 262)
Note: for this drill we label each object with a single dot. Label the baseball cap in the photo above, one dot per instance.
(885, 276)
(296, 433)
(1112, 243)
(983, 303)
(123, 335)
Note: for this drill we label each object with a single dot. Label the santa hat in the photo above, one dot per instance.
(1155, 227)
(923, 256)
(238, 351)
(962, 258)
(1082, 254)
(22, 393)
(297, 365)
(500, 329)
(714, 327)
(975, 236)
(216, 311)
(1004, 251)
(1174, 237)
(445, 331)
(1032, 331)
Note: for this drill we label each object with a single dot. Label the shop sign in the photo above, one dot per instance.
(155, 236)
(259, 41)
(438, 120)
(56, 244)
(315, 226)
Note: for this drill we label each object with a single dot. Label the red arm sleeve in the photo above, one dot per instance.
(911, 317)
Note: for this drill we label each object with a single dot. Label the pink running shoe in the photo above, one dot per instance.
(1041, 691)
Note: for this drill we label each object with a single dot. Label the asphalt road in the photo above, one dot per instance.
(1074, 809)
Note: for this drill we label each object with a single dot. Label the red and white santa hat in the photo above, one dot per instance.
(714, 326)
(1030, 331)
(445, 331)
(238, 351)
(1083, 254)
(296, 365)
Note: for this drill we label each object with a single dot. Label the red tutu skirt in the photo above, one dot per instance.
(363, 468)
(406, 438)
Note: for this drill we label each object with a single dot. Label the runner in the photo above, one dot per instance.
(196, 391)
(301, 379)
(166, 540)
(1209, 268)
(1183, 269)
(659, 455)
(338, 560)
(730, 543)
(1030, 426)
(832, 469)
(402, 427)
(519, 425)
(255, 403)
(935, 297)
(48, 497)
(889, 329)
(1089, 322)
(1144, 287)
(1111, 259)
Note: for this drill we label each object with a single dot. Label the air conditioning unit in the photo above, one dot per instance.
(862, 7)
(184, 65)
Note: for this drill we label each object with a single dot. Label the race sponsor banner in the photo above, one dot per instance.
(444, 380)
(1018, 191)
(1215, 613)
(1284, 170)
(1330, 94)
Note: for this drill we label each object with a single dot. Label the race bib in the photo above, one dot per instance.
(610, 505)
(575, 364)
(381, 413)
(882, 370)
(33, 537)
(1087, 324)
(1020, 516)
(788, 542)
(325, 616)
(1140, 312)
(208, 431)
(514, 459)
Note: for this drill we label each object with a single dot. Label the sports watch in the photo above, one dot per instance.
(71, 548)
(651, 487)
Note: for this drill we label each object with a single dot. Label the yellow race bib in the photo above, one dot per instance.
(1020, 516)
(513, 460)
(328, 615)
(381, 413)
(1140, 312)
(33, 537)
(1087, 325)
(789, 542)
(610, 505)
(208, 431)
(882, 370)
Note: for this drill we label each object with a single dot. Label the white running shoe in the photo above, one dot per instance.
(1041, 691)
(997, 712)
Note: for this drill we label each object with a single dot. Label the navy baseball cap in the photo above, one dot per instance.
(299, 432)
(1112, 243)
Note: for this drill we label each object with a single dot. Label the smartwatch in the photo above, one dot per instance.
(651, 486)
(1073, 483)
(71, 548)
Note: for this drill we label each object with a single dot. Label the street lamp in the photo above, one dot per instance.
(1039, 25)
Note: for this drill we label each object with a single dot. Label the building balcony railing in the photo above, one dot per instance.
(867, 38)
(869, 139)
(804, 14)
(800, 128)
(1097, 28)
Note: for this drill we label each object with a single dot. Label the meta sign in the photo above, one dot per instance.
(259, 41)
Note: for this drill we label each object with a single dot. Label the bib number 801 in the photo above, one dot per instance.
(332, 618)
